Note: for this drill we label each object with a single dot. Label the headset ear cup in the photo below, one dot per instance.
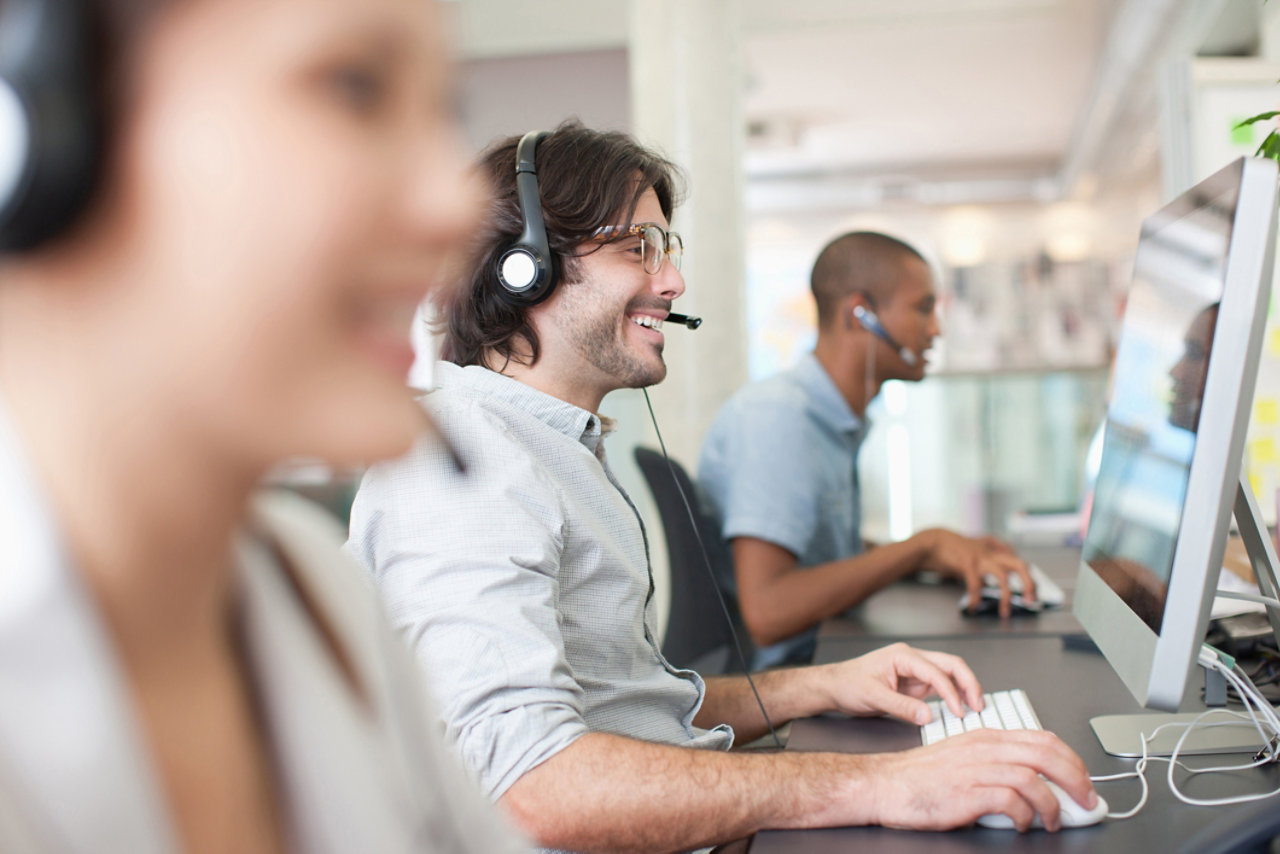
(524, 275)
(15, 145)
(518, 270)
(48, 53)
(527, 270)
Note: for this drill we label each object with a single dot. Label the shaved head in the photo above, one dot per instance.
(865, 262)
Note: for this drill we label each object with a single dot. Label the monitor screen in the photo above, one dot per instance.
(1185, 369)
(1158, 387)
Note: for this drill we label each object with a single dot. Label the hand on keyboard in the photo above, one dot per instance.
(894, 680)
(1001, 710)
(1007, 711)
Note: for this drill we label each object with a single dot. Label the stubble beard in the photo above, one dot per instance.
(602, 347)
(597, 336)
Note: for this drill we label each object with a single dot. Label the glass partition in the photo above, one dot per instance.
(979, 452)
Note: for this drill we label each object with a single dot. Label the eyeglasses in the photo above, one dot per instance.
(656, 243)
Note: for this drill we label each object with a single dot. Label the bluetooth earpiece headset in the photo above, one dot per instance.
(526, 269)
(51, 122)
(867, 320)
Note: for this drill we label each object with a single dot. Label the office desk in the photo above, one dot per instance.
(915, 610)
(1066, 688)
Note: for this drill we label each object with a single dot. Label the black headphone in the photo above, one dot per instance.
(526, 269)
(51, 124)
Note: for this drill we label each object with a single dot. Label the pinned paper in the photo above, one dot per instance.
(1263, 451)
(1273, 342)
(1266, 411)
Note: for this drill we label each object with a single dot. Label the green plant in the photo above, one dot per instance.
(1270, 146)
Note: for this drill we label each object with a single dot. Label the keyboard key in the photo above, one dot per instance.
(1028, 717)
(1007, 710)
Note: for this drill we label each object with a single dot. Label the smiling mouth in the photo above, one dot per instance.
(647, 321)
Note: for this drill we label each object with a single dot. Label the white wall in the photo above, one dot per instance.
(509, 96)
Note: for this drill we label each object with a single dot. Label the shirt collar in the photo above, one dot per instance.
(825, 400)
(573, 421)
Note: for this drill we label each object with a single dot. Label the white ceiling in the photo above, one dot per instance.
(1040, 93)
(886, 83)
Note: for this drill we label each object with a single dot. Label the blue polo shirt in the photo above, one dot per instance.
(780, 464)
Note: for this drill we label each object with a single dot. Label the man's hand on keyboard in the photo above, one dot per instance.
(972, 559)
(957, 780)
(895, 679)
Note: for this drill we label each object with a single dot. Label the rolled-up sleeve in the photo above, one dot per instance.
(468, 568)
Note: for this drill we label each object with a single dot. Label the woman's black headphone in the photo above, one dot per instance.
(51, 123)
(526, 269)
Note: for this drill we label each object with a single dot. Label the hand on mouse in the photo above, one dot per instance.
(976, 561)
(959, 779)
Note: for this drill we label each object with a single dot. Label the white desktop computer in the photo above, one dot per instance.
(1170, 473)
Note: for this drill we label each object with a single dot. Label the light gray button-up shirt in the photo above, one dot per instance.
(523, 585)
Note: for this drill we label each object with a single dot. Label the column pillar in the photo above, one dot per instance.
(687, 82)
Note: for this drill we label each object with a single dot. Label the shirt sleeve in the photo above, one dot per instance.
(467, 567)
(756, 469)
(478, 827)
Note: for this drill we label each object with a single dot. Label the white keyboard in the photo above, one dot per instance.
(1001, 710)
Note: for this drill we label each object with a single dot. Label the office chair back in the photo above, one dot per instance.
(698, 636)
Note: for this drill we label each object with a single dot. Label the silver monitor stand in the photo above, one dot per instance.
(1121, 735)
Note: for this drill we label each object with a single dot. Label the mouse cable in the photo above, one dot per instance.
(1260, 716)
(711, 573)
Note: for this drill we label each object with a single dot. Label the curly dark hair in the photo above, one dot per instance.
(586, 179)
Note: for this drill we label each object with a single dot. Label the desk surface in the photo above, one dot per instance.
(1066, 688)
(916, 610)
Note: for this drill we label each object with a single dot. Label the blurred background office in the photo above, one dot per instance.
(1019, 143)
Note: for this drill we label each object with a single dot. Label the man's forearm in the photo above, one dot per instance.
(779, 600)
(610, 793)
(787, 694)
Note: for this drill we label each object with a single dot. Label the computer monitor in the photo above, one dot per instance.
(1185, 369)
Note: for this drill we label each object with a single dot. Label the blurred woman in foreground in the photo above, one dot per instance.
(218, 217)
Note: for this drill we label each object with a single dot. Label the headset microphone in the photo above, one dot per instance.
(685, 320)
(868, 320)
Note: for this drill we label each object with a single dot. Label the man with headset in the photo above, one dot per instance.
(779, 464)
(524, 586)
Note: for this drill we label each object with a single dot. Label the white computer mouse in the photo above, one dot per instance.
(1073, 815)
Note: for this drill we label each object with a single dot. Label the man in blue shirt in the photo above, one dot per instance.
(779, 463)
